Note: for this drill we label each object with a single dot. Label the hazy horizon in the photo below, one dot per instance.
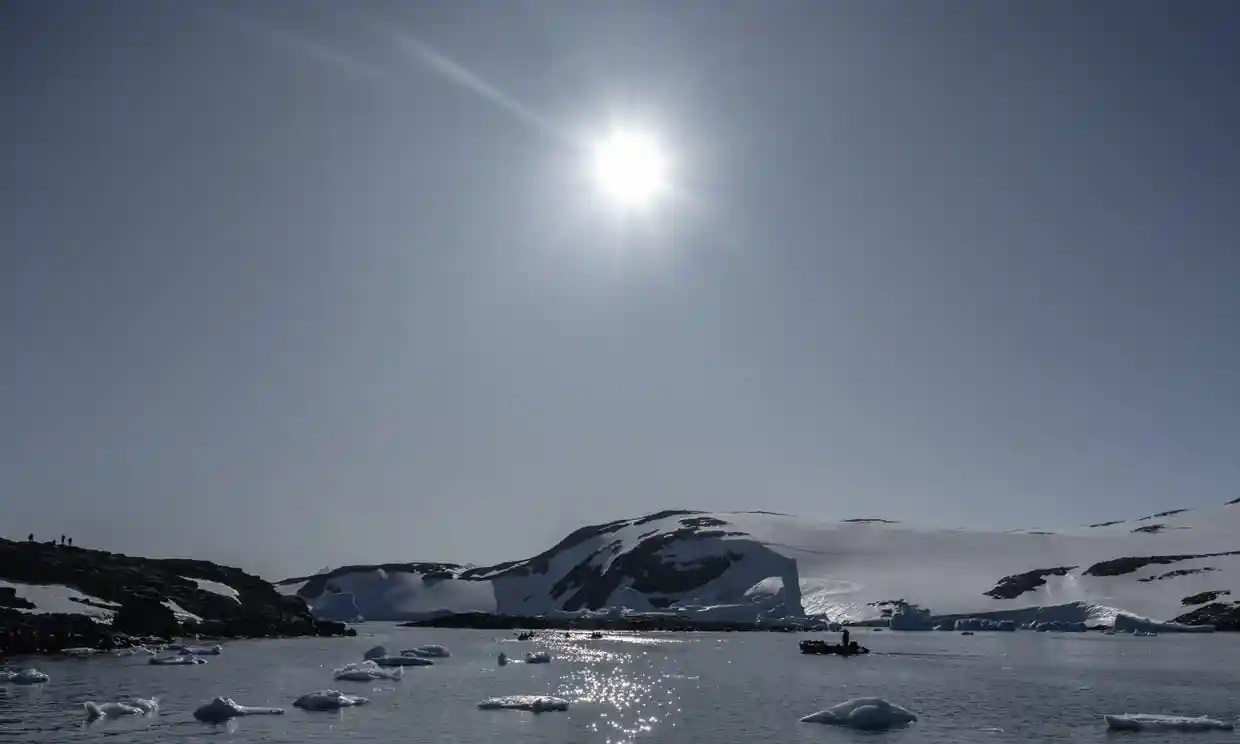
(306, 284)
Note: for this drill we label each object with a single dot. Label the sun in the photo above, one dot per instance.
(630, 169)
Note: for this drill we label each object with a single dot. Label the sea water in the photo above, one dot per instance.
(654, 687)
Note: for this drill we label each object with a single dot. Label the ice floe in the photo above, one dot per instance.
(535, 703)
(79, 652)
(134, 651)
(402, 661)
(869, 713)
(180, 660)
(134, 707)
(328, 700)
(1151, 722)
(376, 652)
(538, 657)
(204, 651)
(25, 677)
(428, 651)
(366, 671)
(221, 709)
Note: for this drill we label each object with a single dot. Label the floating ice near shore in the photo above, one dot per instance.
(135, 707)
(79, 652)
(366, 671)
(181, 660)
(328, 700)
(539, 657)
(221, 709)
(428, 651)
(1150, 722)
(400, 661)
(135, 651)
(25, 677)
(215, 650)
(535, 703)
(377, 652)
(869, 713)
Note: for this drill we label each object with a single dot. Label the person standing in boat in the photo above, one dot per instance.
(845, 642)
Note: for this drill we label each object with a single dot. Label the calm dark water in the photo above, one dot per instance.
(686, 689)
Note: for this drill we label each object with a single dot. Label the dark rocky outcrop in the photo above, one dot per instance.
(1222, 615)
(1177, 572)
(1121, 566)
(1233, 502)
(1106, 524)
(869, 520)
(1150, 528)
(1204, 597)
(137, 589)
(1161, 515)
(1011, 587)
(669, 623)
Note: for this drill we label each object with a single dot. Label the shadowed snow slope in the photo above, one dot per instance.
(755, 565)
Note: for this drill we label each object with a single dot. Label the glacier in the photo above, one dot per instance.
(780, 570)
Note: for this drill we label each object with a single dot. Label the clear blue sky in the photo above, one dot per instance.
(278, 290)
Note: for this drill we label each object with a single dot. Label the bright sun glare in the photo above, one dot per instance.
(630, 168)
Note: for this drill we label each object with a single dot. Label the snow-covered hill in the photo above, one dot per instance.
(750, 565)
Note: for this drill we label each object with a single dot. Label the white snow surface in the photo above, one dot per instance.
(868, 713)
(429, 651)
(180, 613)
(535, 703)
(781, 566)
(1153, 722)
(59, 599)
(215, 587)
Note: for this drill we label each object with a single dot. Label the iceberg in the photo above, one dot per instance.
(207, 651)
(1150, 722)
(79, 652)
(134, 651)
(376, 652)
(428, 651)
(328, 700)
(535, 703)
(135, 707)
(868, 713)
(26, 677)
(366, 671)
(221, 709)
(179, 660)
(539, 657)
(402, 661)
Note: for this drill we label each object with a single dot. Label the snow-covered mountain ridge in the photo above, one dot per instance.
(744, 566)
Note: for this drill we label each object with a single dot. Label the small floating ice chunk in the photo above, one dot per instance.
(428, 651)
(221, 709)
(399, 661)
(79, 652)
(328, 700)
(1150, 722)
(375, 653)
(134, 651)
(366, 671)
(535, 703)
(215, 650)
(540, 657)
(180, 660)
(868, 713)
(135, 707)
(27, 677)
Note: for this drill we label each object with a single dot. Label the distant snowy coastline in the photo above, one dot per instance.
(1174, 571)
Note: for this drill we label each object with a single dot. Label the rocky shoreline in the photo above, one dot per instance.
(136, 593)
(487, 621)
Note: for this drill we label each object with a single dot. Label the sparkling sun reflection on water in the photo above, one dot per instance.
(624, 679)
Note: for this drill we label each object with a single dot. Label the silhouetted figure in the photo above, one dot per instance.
(845, 643)
(71, 542)
(62, 540)
(30, 537)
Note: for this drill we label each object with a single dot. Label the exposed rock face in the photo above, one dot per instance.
(1011, 587)
(1120, 566)
(1222, 615)
(139, 588)
(1151, 528)
(1177, 573)
(1204, 597)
